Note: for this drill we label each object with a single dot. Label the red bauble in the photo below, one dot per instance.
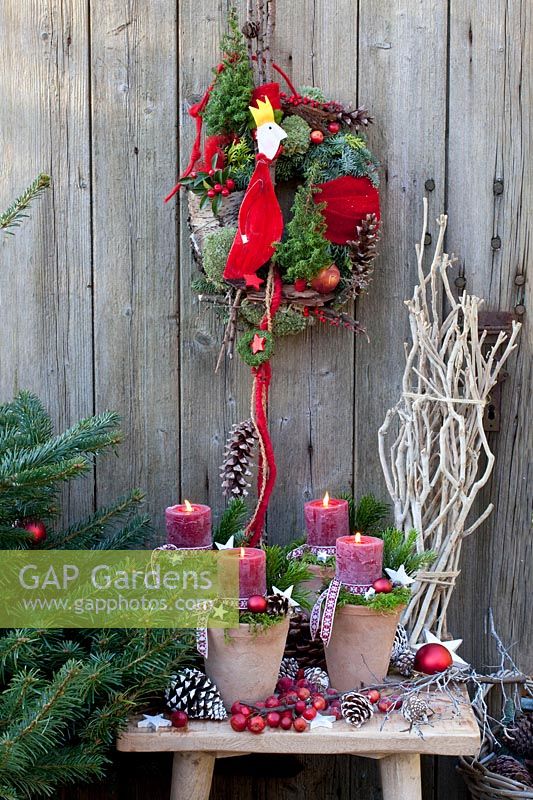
(382, 586)
(334, 127)
(327, 280)
(36, 528)
(432, 658)
(317, 137)
(179, 719)
(257, 604)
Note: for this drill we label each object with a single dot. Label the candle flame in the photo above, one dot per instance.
(357, 538)
(325, 501)
(242, 552)
(187, 505)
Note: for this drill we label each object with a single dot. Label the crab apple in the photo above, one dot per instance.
(260, 704)
(317, 137)
(299, 724)
(284, 684)
(327, 279)
(331, 691)
(236, 708)
(245, 710)
(310, 713)
(255, 724)
(285, 723)
(291, 698)
(300, 706)
(319, 702)
(272, 701)
(335, 712)
(373, 695)
(238, 722)
(304, 693)
(335, 704)
(382, 586)
(179, 719)
(273, 719)
(334, 127)
(287, 714)
(387, 704)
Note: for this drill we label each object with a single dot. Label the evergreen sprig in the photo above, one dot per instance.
(367, 515)
(342, 154)
(400, 548)
(232, 521)
(13, 216)
(283, 572)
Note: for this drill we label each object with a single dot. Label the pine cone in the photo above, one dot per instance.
(317, 677)
(401, 641)
(277, 605)
(237, 455)
(356, 708)
(416, 711)
(193, 692)
(288, 668)
(404, 662)
(363, 251)
(357, 118)
(520, 740)
(307, 651)
(510, 767)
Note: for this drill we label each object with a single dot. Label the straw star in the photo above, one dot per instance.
(155, 722)
(399, 576)
(258, 344)
(451, 646)
(287, 594)
(228, 546)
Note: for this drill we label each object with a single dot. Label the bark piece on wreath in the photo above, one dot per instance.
(202, 221)
(289, 294)
(235, 468)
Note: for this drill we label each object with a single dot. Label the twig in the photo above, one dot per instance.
(12, 215)
(229, 334)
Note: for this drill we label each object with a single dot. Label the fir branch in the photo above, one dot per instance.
(232, 521)
(400, 548)
(12, 216)
(370, 514)
(283, 572)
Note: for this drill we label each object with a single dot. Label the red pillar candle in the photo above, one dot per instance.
(326, 520)
(252, 569)
(189, 526)
(359, 559)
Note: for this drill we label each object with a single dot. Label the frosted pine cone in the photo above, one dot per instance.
(237, 456)
(317, 677)
(401, 641)
(416, 711)
(288, 668)
(356, 708)
(193, 692)
(404, 662)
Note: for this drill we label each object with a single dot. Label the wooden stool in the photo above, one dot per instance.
(398, 750)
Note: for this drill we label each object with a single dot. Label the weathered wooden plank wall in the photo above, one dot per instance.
(95, 316)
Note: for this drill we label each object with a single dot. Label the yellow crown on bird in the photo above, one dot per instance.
(263, 113)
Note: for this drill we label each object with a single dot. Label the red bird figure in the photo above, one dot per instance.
(260, 222)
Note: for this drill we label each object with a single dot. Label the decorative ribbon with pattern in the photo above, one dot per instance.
(328, 599)
(298, 552)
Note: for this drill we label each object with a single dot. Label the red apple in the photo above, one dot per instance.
(334, 127)
(236, 707)
(310, 713)
(304, 693)
(300, 706)
(327, 280)
(319, 703)
(272, 701)
(245, 711)
(373, 695)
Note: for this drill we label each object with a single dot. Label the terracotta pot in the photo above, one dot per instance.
(359, 650)
(321, 575)
(245, 663)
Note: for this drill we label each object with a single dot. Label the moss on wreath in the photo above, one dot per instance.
(286, 322)
(383, 602)
(215, 254)
(244, 348)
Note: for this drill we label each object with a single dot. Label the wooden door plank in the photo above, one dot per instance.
(45, 275)
(402, 79)
(490, 191)
(133, 60)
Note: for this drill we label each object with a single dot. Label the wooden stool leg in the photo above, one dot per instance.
(400, 777)
(191, 776)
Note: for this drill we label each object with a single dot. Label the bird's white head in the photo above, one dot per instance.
(269, 133)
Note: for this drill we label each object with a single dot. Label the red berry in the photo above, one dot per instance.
(245, 711)
(273, 719)
(272, 701)
(238, 722)
(217, 187)
(319, 703)
(331, 690)
(260, 704)
(382, 586)
(194, 174)
(257, 604)
(335, 712)
(300, 285)
(211, 173)
(284, 684)
(334, 127)
(287, 714)
(224, 192)
(255, 724)
(285, 723)
(291, 698)
(335, 704)
(36, 528)
(304, 693)
(211, 193)
(373, 695)
(179, 719)
(236, 707)
(310, 713)
(299, 724)
(317, 137)
(389, 704)
(300, 706)
(230, 184)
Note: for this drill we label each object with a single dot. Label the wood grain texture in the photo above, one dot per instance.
(490, 116)
(402, 79)
(133, 59)
(45, 275)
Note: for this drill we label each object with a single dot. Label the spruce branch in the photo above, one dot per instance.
(12, 216)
